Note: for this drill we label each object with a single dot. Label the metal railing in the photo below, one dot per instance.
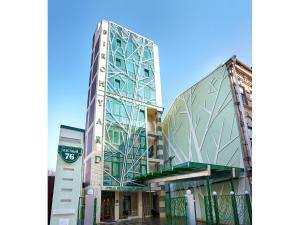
(228, 209)
(176, 212)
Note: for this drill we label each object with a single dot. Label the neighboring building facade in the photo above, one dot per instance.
(68, 176)
(205, 125)
(51, 179)
(241, 82)
(123, 121)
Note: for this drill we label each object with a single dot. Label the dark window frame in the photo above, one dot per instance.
(118, 61)
(119, 43)
(117, 82)
(146, 73)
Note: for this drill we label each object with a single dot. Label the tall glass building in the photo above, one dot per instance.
(123, 122)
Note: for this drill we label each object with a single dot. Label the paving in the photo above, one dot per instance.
(148, 221)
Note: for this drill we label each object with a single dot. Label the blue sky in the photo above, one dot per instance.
(193, 38)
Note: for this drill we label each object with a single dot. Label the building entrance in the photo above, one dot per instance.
(128, 205)
(107, 205)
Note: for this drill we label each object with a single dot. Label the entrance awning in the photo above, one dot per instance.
(190, 170)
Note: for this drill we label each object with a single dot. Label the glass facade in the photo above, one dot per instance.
(130, 76)
(131, 62)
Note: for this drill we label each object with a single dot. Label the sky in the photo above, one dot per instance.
(193, 37)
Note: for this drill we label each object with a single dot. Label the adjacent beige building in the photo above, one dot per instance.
(241, 80)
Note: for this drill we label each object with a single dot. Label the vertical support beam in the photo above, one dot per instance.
(162, 202)
(190, 208)
(231, 184)
(82, 214)
(150, 200)
(78, 211)
(140, 204)
(249, 206)
(95, 211)
(97, 194)
(209, 200)
(89, 209)
(117, 202)
(231, 180)
(216, 207)
(234, 209)
(148, 211)
(206, 209)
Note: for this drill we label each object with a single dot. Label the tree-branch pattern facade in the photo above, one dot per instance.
(201, 125)
(130, 88)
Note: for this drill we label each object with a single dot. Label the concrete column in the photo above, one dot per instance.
(140, 204)
(89, 207)
(190, 208)
(117, 203)
(162, 202)
(97, 194)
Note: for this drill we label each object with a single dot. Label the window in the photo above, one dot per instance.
(146, 72)
(146, 53)
(142, 142)
(93, 89)
(117, 109)
(143, 169)
(121, 149)
(118, 62)
(142, 115)
(130, 67)
(96, 50)
(138, 152)
(92, 59)
(118, 43)
(116, 169)
(116, 137)
(117, 84)
(147, 94)
(151, 151)
(130, 88)
(89, 141)
(130, 47)
(92, 112)
(95, 67)
(250, 131)
(107, 167)
(244, 98)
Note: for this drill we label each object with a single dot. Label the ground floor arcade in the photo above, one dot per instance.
(166, 197)
(121, 205)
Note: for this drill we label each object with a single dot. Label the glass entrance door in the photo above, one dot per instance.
(126, 206)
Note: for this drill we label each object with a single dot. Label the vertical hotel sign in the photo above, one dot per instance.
(101, 87)
(100, 99)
